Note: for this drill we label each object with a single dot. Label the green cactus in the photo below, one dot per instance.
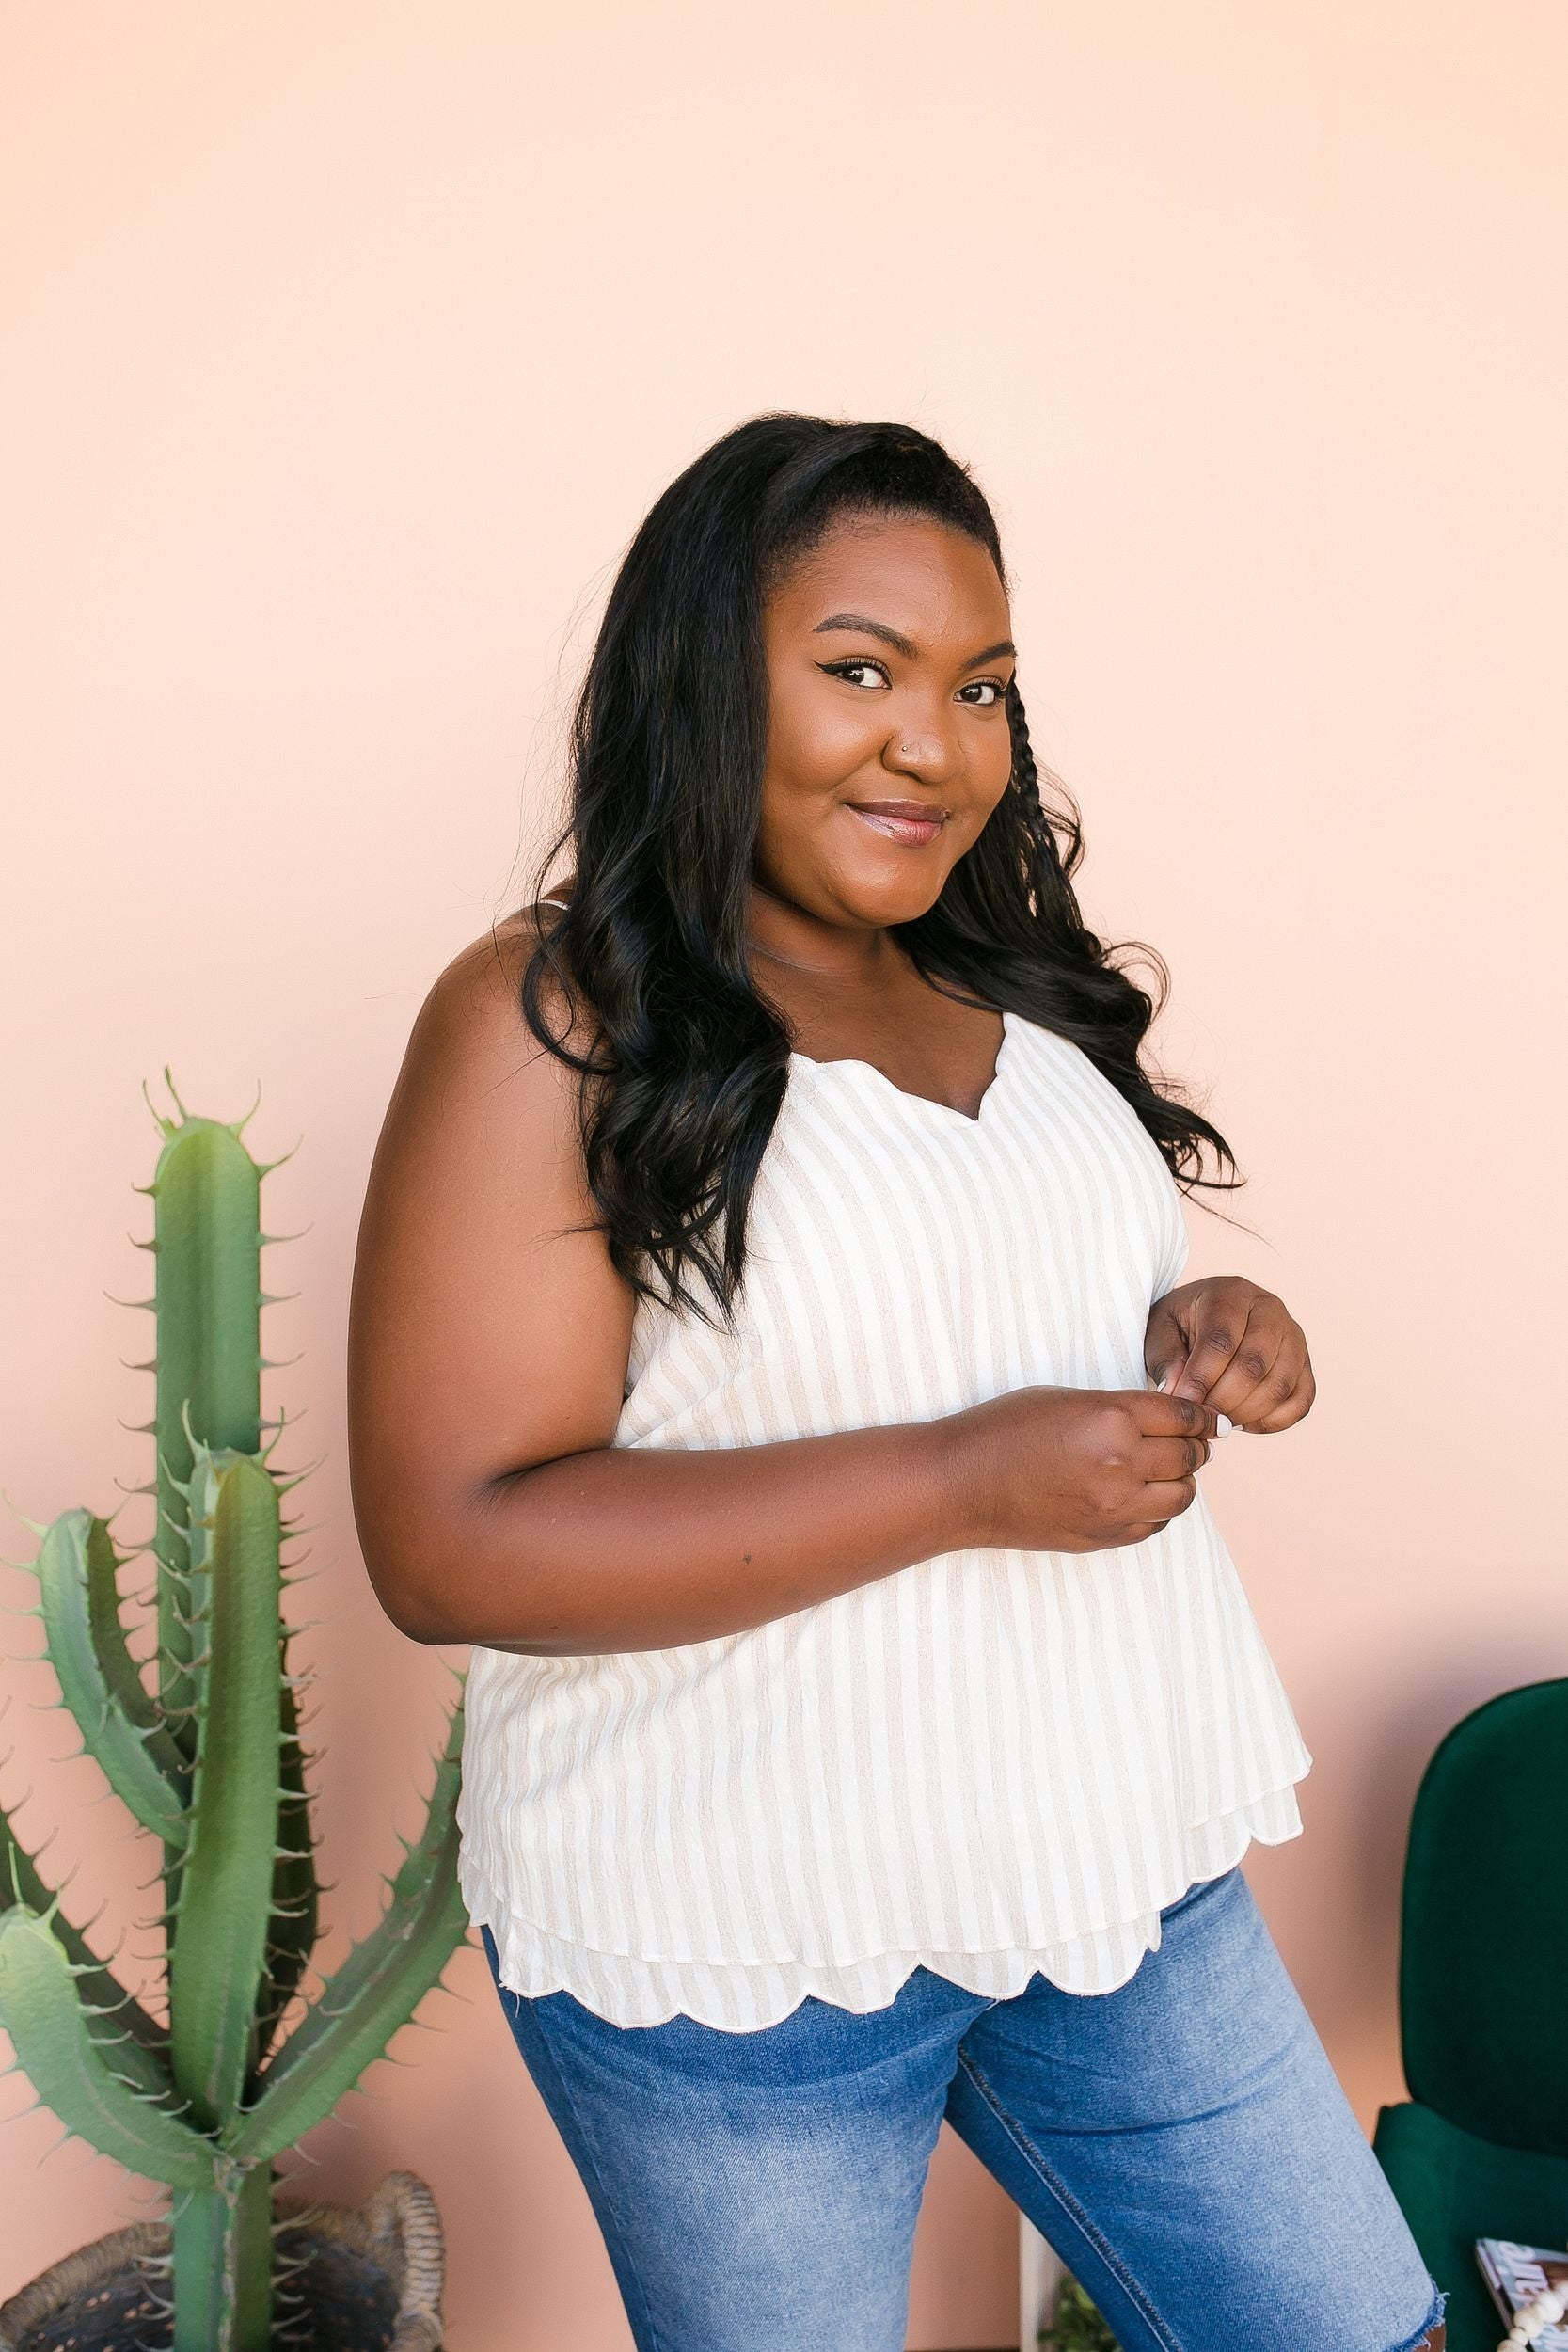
(215, 1766)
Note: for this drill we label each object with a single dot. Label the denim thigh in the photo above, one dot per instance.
(755, 2190)
(1186, 2146)
(1183, 2142)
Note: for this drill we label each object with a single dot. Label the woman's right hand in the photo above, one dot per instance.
(1083, 1470)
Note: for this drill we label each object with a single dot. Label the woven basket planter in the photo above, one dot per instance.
(368, 2279)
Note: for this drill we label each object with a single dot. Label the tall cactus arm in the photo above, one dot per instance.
(73, 2074)
(378, 1986)
(296, 1897)
(220, 1926)
(207, 1246)
(115, 2017)
(120, 1727)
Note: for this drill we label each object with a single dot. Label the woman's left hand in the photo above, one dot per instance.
(1234, 1346)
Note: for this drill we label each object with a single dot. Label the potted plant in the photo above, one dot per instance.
(1077, 2325)
(211, 1760)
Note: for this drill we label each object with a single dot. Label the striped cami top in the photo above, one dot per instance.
(989, 1763)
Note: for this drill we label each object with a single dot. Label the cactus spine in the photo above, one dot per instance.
(213, 1765)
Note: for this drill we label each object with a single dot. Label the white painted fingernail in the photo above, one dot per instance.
(1224, 1425)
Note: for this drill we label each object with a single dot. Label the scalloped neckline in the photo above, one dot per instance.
(928, 1101)
(856, 1061)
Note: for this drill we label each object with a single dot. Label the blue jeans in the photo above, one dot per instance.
(1184, 2143)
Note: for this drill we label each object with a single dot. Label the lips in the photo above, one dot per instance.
(914, 821)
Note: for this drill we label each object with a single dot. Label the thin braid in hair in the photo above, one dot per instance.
(1026, 782)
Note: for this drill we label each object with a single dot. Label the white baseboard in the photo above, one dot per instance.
(1041, 2271)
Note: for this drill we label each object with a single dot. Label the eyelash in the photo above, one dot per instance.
(865, 661)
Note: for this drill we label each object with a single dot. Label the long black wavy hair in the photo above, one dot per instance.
(686, 1064)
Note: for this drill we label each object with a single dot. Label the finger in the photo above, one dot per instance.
(1228, 1360)
(1162, 1498)
(1205, 1365)
(1288, 1408)
(1262, 1373)
(1173, 1457)
(1221, 1424)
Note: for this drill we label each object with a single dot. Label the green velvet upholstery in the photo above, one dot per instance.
(1455, 2188)
(1480, 2147)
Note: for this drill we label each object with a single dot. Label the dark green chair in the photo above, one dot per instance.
(1480, 2147)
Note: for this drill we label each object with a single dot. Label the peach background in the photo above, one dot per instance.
(344, 348)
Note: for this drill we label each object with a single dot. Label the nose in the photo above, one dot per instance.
(919, 749)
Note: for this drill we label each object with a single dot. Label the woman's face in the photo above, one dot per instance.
(888, 653)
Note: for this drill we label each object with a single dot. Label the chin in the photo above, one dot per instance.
(884, 899)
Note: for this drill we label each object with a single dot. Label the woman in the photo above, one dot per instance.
(766, 1351)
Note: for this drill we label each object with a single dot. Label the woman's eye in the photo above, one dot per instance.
(990, 686)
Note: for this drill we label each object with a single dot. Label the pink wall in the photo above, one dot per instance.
(344, 350)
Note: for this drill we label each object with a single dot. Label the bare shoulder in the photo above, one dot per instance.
(479, 1151)
(473, 1012)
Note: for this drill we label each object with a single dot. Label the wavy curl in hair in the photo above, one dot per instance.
(686, 1065)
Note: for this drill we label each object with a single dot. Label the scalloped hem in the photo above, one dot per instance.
(742, 1996)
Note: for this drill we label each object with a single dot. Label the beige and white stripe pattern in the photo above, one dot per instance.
(989, 1763)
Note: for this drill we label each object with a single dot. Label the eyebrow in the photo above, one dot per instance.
(906, 645)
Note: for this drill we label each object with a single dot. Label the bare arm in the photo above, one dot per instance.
(487, 1359)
